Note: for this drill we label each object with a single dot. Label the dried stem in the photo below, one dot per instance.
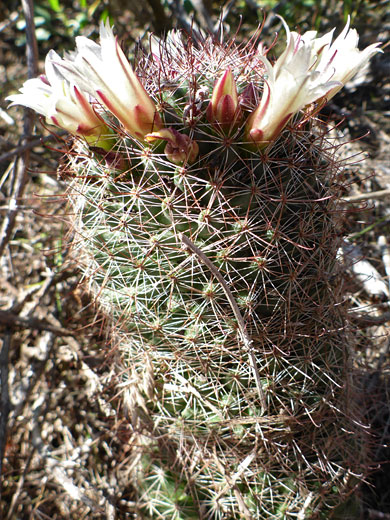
(28, 146)
(380, 194)
(13, 320)
(5, 403)
(20, 170)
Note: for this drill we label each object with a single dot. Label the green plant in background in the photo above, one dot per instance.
(204, 196)
(306, 13)
(55, 18)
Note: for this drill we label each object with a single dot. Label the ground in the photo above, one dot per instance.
(66, 454)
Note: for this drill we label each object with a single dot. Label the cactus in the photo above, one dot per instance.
(206, 212)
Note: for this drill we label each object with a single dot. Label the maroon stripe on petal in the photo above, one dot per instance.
(55, 120)
(226, 110)
(107, 102)
(82, 101)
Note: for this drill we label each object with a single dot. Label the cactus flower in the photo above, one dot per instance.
(223, 109)
(309, 69)
(341, 60)
(63, 104)
(104, 72)
(179, 148)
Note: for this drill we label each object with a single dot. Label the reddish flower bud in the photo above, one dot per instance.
(179, 148)
(224, 110)
(248, 99)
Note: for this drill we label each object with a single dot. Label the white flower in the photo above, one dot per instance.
(309, 69)
(338, 61)
(62, 103)
(342, 60)
(104, 72)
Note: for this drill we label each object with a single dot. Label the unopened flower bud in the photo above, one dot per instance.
(223, 110)
(248, 99)
(179, 149)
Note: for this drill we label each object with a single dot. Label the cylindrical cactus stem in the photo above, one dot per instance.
(228, 283)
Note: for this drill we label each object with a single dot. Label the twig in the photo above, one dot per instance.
(31, 41)
(369, 228)
(385, 252)
(38, 415)
(380, 194)
(11, 18)
(189, 26)
(27, 146)
(161, 22)
(21, 166)
(47, 345)
(4, 396)
(204, 15)
(377, 515)
(365, 273)
(19, 488)
(240, 320)
(278, 8)
(13, 320)
(363, 321)
(23, 300)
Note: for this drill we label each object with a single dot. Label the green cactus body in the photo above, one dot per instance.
(240, 399)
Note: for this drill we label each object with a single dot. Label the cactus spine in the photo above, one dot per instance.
(209, 234)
